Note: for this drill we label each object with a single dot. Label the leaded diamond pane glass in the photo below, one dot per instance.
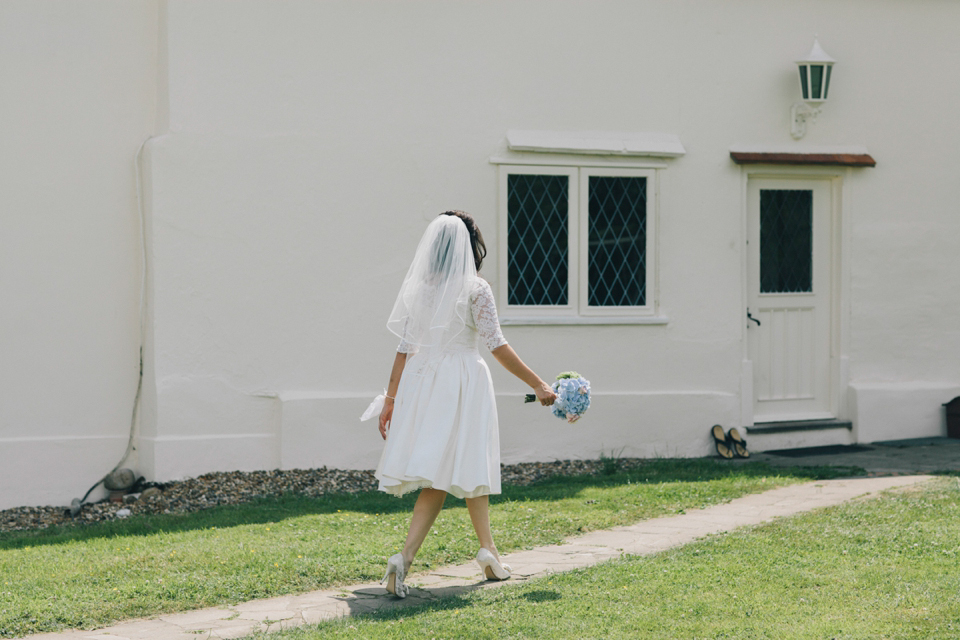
(786, 240)
(537, 239)
(617, 241)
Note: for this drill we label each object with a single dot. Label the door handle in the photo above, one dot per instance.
(752, 318)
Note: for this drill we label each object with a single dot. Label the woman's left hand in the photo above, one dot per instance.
(386, 414)
(545, 394)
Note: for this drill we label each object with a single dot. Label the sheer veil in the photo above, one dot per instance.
(433, 303)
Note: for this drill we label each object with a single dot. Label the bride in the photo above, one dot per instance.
(439, 417)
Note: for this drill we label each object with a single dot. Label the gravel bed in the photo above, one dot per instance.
(235, 487)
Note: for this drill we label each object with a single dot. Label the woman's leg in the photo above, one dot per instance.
(425, 512)
(480, 516)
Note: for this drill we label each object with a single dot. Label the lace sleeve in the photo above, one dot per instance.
(485, 316)
(404, 346)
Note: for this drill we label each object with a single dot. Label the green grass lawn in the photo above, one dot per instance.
(91, 576)
(874, 568)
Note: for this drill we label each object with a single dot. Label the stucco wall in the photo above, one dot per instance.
(905, 267)
(302, 148)
(310, 143)
(78, 99)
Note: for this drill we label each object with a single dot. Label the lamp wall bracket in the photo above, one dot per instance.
(800, 112)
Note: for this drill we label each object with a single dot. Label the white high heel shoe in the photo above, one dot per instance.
(396, 572)
(491, 567)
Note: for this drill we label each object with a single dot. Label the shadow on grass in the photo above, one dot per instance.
(542, 595)
(444, 599)
(268, 509)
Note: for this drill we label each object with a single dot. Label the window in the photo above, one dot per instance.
(538, 241)
(786, 241)
(577, 242)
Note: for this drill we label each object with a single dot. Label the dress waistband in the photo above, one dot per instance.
(419, 364)
(460, 348)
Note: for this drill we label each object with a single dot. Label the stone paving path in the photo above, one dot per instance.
(649, 536)
(919, 455)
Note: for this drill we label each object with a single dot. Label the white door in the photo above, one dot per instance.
(788, 272)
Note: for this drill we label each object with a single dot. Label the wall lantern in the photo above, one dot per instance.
(815, 70)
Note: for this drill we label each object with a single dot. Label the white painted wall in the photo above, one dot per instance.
(905, 269)
(305, 145)
(78, 87)
(298, 188)
(311, 142)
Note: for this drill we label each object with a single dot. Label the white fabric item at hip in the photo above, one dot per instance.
(375, 407)
(434, 299)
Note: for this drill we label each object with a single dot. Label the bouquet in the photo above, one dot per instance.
(573, 396)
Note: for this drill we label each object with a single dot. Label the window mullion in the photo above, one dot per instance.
(573, 239)
(583, 219)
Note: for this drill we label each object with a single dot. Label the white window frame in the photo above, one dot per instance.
(577, 310)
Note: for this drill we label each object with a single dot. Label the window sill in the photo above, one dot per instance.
(585, 320)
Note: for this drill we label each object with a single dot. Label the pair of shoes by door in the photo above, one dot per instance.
(730, 444)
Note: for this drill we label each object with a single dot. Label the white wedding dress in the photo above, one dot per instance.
(444, 432)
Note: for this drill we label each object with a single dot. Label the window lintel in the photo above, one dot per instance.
(609, 143)
(839, 156)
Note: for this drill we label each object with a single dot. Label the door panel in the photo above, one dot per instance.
(785, 349)
(788, 288)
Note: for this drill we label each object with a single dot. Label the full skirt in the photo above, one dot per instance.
(444, 432)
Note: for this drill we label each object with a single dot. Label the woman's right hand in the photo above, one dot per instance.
(386, 415)
(545, 394)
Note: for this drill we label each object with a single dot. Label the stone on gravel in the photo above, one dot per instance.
(119, 480)
(150, 492)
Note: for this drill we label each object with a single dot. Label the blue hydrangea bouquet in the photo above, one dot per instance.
(573, 396)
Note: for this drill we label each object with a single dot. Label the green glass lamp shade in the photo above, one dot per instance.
(815, 71)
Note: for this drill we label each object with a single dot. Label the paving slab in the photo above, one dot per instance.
(648, 536)
(432, 582)
(201, 616)
(316, 615)
(908, 456)
(239, 631)
(459, 571)
(234, 628)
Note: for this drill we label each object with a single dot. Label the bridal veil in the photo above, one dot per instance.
(434, 300)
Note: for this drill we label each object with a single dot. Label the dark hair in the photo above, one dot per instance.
(476, 238)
